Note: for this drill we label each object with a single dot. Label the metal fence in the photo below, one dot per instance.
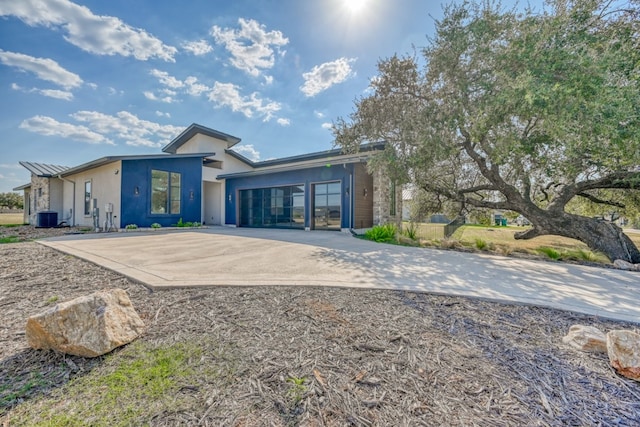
(435, 231)
(451, 228)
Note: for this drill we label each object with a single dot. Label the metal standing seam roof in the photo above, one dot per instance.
(44, 169)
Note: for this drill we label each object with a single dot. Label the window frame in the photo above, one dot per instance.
(173, 193)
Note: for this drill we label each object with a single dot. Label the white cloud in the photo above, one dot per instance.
(322, 77)
(248, 151)
(101, 35)
(54, 93)
(283, 122)
(194, 88)
(268, 80)
(326, 125)
(228, 95)
(128, 127)
(165, 79)
(198, 48)
(161, 114)
(50, 127)
(103, 129)
(51, 93)
(318, 114)
(92, 86)
(251, 47)
(151, 96)
(44, 68)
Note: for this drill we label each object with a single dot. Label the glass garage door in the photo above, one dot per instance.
(281, 207)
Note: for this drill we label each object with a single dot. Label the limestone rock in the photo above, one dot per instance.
(586, 338)
(623, 348)
(87, 326)
(626, 265)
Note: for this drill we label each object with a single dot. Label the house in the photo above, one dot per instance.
(198, 177)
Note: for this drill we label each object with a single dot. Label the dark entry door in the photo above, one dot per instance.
(326, 207)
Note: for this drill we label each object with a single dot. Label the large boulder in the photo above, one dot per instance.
(623, 348)
(586, 338)
(87, 326)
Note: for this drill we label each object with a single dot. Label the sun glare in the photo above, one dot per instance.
(355, 6)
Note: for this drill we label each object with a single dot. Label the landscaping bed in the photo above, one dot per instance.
(284, 356)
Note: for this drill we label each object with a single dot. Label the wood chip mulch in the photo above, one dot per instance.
(366, 357)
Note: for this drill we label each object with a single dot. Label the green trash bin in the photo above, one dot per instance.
(504, 222)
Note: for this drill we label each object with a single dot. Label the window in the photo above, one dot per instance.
(87, 198)
(165, 192)
(272, 207)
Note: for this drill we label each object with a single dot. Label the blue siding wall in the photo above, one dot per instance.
(136, 205)
(304, 176)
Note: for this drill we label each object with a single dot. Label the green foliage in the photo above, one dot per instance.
(297, 388)
(9, 239)
(550, 252)
(411, 230)
(52, 300)
(382, 233)
(156, 225)
(187, 224)
(481, 244)
(513, 111)
(131, 387)
(11, 200)
(131, 227)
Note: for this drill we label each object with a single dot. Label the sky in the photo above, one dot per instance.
(80, 80)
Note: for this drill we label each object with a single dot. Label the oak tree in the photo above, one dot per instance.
(522, 111)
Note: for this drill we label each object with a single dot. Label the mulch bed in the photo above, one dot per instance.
(367, 357)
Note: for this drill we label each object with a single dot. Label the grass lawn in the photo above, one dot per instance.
(501, 240)
(11, 218)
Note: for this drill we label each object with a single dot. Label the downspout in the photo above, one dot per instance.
(73, 205)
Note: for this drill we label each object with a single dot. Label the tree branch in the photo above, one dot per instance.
(613, 181)
(594, 199)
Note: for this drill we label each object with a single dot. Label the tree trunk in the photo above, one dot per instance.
(598, 235)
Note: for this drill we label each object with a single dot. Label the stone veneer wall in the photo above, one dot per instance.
(39, 198)
(382, 201)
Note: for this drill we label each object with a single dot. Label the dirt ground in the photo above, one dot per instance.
(367, 357)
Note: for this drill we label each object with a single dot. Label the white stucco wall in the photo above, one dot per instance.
(202, 144)
(105, 187)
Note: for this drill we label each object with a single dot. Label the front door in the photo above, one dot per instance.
(326, 207)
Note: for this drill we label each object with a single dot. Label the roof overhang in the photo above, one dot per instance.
(110, 159)
(22, 187)
(324, 162)
(195, 129)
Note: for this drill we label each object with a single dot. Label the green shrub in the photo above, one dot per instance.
(156, 225)
(481, 244)
(382, 233)
(550, 252)
(131, 227)
(411, 231)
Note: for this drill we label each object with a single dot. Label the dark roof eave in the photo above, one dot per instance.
(110, 159)
(333, 161)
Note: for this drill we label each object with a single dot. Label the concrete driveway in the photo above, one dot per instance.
(221, 256)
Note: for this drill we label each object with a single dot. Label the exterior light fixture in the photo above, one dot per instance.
(229, 197)
(136, 191)
(191, 195)
(364, 192)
